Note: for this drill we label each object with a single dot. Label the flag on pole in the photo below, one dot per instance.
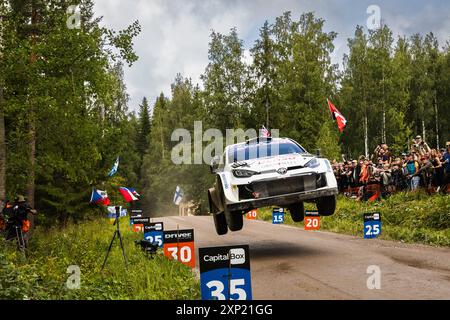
(99, 197)
(127, 194)
(178, 196)
(134, 192)
(114, 168)
(337, 116)
(265, 132)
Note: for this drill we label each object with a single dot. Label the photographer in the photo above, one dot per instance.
(419, 146)
(18, 224)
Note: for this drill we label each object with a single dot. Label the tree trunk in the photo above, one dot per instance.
(2, 147)
(436, 114)
(366, 136)
(267, 112)
(32, 121)
(424, 138)
(383, 120)
(2, 133)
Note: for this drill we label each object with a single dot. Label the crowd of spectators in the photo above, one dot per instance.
(383, 173)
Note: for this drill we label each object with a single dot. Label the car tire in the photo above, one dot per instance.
(297, 212)
(235, 220)
(326, 205)
(220, 223)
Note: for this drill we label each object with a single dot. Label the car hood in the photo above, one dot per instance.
(275, 163)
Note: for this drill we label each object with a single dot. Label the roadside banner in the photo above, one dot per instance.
(135, 213)
(138, 224)
(225, 273)
(278, 216)
(312, 220)
(179, 246)
(112, 212)
(252, 215)
(372, 225)
(154, 233)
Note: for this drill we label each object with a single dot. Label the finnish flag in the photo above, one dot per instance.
(114, 168)
(178, 196)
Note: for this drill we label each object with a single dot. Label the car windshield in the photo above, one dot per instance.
(263, 149)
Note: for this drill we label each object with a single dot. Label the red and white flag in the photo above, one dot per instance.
(264, 132)
(341, 121)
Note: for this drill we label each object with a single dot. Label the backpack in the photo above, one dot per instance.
(26, 224)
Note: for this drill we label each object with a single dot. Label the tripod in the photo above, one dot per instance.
(116, 233)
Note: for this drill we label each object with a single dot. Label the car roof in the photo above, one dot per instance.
(260, 140)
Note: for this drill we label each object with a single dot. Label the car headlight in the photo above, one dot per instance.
(313, 163)
(243, 173)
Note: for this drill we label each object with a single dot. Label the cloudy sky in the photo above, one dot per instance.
(175, 33)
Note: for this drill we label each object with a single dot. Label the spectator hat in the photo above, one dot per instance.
(418, 137)
(20, 198)
(447, 144)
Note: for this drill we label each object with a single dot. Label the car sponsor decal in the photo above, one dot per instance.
(224, 180)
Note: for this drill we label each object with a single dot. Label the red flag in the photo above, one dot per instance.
(341, 121)
(265, 133)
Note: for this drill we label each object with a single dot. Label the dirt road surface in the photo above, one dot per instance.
(289, 263)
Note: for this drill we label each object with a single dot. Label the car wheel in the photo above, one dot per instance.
(220, 223)
(235, 220)
(297, 212)
(326, 205)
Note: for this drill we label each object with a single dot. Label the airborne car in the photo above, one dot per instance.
(265, 172)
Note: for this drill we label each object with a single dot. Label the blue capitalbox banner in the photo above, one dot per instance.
(372, 225)
(154, 233)
(225, 273)
(278, 216)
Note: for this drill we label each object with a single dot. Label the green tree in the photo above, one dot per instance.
(144, 128)
(65, 104)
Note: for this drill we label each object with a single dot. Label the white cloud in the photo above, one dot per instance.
(175, 34)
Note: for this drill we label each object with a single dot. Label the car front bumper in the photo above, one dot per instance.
(282, 200)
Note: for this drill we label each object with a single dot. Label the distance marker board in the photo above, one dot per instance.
(225, 273)
(179, 246)
(372, 225)
(139, 223)
(135, 213)
(277, 215)
(154, 233)
(312, 220)
(252, 215)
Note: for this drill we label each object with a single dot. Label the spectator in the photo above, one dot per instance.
(438, 170)
(412, 168)
(420, 146)
(446, 163)
(365, 172)
(422, 166)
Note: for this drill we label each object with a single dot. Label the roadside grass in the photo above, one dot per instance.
(42, 275)
(407, 217)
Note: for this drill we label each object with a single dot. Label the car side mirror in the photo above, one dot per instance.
(214, 166)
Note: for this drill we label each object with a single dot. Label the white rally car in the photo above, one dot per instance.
(268, 172)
